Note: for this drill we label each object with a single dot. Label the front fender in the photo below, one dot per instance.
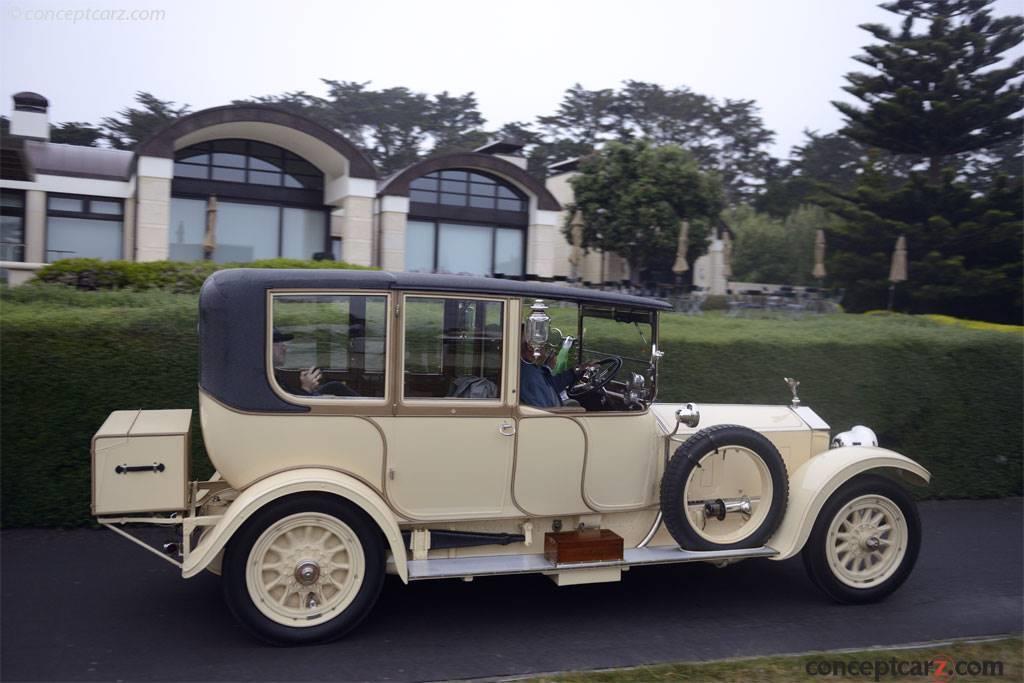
(818, 478)
(302, 480)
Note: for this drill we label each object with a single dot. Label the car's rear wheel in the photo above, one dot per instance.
(725, 488)
(307, 568)
(865, 540)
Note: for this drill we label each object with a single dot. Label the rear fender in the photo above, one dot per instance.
(303, 480)
(818, 478)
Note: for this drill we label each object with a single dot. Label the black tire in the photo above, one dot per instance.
(686, 458)
(815, 552)
(236, 557)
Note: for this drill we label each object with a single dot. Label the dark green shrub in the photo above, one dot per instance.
(946, 396)
(173, 276)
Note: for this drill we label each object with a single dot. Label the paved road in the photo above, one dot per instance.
(86, 605)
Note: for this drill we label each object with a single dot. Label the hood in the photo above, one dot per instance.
(759, 418)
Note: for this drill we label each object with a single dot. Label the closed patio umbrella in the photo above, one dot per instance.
(898, 267)
(726, 255)
(681, 266)
(210, 235)
(819, 256)
(576, 232)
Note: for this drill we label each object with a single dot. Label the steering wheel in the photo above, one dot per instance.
(595, 376)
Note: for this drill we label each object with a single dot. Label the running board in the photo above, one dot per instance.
(493, 565)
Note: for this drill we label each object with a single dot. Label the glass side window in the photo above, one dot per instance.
(453, 348)
(12, 225)
(330, 346)
(83, 227)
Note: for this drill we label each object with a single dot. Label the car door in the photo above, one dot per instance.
(450, 445)
(569, 460)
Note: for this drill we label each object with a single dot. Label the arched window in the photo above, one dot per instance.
(269, 203)
(467, 188)
(465, 221)
(247, 161)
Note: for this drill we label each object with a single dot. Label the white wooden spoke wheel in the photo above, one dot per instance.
(728, 495)
(866, 542)
(305, 569)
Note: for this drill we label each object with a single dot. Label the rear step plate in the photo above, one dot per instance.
(491, 565)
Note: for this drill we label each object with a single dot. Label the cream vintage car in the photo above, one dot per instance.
(363, 423)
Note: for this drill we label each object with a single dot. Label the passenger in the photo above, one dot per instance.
(309, 379)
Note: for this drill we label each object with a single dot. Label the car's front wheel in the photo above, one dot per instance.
(865, 540)
(307, 568)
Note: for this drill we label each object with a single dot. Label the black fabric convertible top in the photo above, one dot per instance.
(233, 318)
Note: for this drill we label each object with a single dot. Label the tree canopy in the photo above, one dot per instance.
(633, 198)
(727, 137)
(132, 125)
(395, 126)
(76, 133)
(774, 250)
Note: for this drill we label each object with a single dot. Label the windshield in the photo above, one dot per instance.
(628, 334)
(619, 340)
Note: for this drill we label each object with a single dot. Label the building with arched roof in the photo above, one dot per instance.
(244, 182)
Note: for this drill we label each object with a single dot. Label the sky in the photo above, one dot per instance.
(517, 56)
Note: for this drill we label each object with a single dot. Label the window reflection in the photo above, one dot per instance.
(453, 348)
(247, 161)
(83, 227)
(465, 222)
(245, 231)
(330, 346)
(462, 188)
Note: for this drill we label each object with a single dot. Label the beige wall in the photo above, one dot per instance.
(596, 267)
(561, 248)
(541, 239)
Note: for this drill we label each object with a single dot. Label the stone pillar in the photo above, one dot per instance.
(540, 243)
(337, 222)
(153, 208)
(35, 226)
(357, 231)
(394, 212)
(128, 229)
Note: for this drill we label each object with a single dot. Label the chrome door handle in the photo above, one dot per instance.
(507, 428)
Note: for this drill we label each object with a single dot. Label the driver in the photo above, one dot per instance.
(538, 386)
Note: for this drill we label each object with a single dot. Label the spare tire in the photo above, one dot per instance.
(725, 488)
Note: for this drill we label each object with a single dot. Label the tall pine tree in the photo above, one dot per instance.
(940, 86)
(942, 94)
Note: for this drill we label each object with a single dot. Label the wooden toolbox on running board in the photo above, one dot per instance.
(582, 545)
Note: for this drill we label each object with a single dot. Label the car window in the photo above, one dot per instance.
(330, 346)
(453, 348)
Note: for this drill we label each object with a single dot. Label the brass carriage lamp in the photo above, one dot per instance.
(538, 326)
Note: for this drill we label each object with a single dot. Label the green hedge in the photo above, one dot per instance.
(172, 276)
(947, 396)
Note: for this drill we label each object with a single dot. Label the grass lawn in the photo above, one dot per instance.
(796, 668)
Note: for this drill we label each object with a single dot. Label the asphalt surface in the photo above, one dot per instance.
(87, 605)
